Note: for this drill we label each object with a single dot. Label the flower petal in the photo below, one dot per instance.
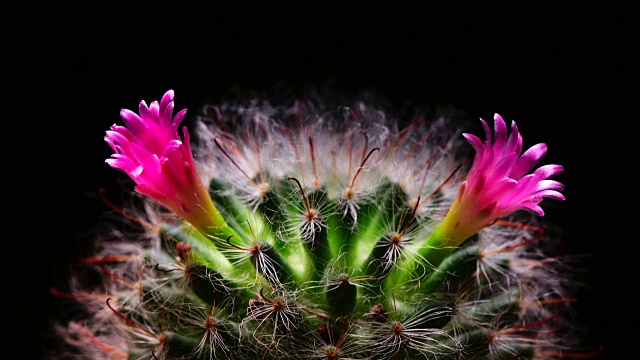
(553, 194)
(514, 144)
(501, 134)
(548, 171)
(528, 160)
(133, 121)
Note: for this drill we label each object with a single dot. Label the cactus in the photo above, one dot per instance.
(304, 232)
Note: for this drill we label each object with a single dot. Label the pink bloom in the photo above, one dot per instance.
(499, 183)
(152, 153)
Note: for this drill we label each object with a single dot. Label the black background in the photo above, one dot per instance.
(562, 74)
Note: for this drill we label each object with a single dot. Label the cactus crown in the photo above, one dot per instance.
(296, 232)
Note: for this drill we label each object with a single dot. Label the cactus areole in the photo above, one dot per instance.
(298, 231)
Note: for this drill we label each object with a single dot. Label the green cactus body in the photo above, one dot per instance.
(320, 255)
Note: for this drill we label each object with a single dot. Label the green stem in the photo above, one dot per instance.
(205, 251)
(437, 248)
(452, 272)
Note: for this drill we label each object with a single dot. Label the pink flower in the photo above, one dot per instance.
(152, 153)
(499, 183)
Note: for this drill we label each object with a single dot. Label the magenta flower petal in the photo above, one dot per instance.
(549, 185)
(504, 166)
(533, 208)
(501, 134)
(499, 182)
(552, 194)
(152, 153)
(476, 143)
(133, 121)
(548, 171)
(529, 159)
(514, 145)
